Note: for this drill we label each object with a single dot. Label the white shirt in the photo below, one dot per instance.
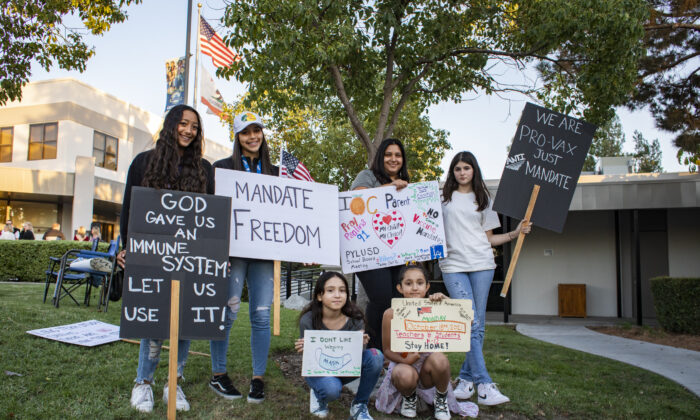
(468, 248)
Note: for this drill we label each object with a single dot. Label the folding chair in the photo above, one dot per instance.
(66, 271)
(51, 273)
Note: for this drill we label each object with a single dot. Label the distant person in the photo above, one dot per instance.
(15, 231)
(27, 232)
(81, 234)
(8, 233)
(54, 233)
(95, 232)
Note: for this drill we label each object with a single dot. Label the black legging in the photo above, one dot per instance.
(380, 286)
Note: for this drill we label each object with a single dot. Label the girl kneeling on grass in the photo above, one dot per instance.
(330, 309)
(413, 375)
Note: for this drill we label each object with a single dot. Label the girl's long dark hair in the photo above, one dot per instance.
(166, 168)
(266, 166)
(378, 164)
(316, 307)
(478, 184)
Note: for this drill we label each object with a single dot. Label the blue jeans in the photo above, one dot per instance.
(475, 286)
(149, 356)
(258, 274)
(327, 388)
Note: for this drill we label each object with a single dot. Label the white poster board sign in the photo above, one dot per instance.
(332, 353)
(383, 227)
(420, 325)
(87, 333)
(275, 218)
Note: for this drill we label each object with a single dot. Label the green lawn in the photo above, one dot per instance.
(64, 381)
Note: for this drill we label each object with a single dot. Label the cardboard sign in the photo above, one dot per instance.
(548, 149)
(332, 353)
(383, 227)
(183, 236)
(420, 325)
(87, 333)
(275, 218)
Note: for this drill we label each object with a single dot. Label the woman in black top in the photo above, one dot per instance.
(176, 163)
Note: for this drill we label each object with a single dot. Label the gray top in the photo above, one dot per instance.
(306, 323)
(365, 179)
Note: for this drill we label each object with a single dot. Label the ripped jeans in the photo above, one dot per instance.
(258, 275)
(149, 356)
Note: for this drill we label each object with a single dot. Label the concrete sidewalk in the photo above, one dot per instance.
(679, 365)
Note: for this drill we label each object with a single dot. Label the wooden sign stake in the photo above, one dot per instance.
(172, 357)
(521, 239)
(276, 298)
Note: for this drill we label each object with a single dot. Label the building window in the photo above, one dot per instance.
(104, 149)
(6, 144)
(42, 141)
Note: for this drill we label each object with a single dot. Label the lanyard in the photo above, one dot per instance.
(258, 167)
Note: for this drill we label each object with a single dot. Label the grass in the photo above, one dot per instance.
(64, 381)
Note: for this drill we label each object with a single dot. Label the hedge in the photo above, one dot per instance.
(677, 303)
(27, 260)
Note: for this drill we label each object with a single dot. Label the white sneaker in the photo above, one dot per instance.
(408, 405)
(490, 395)
(442, 411)
(142, 398)
(464, 389)
(316, 407)
(181, 403)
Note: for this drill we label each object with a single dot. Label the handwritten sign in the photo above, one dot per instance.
(383, 227)
(183, 236)
(284, 219)
(548, 149)
(87, 333)
(420, 325)
(332, 353)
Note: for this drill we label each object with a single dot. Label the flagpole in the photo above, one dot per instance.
(187, 48)
(196, 59)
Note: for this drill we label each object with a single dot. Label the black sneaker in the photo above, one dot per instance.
(222, 385)
(257, 391)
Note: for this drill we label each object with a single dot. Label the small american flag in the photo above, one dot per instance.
(422, 311)
(213, 46)
(292, 167)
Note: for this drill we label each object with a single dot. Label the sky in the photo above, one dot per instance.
(129, 63)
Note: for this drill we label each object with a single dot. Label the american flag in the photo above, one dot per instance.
(422, 311)
(213, 46)
(292, 167)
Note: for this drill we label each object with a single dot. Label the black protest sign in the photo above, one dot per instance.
(181, 236)
(548, 150)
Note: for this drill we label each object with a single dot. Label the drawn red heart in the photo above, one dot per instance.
(401, 225)
(390, 225)
(390, 241)
(386, 219)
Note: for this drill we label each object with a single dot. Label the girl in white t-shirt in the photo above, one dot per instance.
(469, 266)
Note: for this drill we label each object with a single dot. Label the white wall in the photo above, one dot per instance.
(583, 253)
(684, 242)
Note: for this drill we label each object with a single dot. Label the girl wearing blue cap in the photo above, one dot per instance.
(250, 154)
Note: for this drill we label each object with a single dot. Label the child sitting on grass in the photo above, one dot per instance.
(413, 375)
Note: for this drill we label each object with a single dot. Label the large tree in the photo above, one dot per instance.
(607, 142)
(33, 30)
(669, 82)
(365, 61)
(647, 154)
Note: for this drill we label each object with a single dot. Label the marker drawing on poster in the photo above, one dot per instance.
(383, 227)
(275, 218)
(549, 150)
(182, 236)
(87, 333)
(332, 353)
(420, 325)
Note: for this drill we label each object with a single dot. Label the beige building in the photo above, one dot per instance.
(65, 150)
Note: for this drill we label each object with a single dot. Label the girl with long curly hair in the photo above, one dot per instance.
(176, 163)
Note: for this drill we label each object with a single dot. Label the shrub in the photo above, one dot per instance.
(677, 303)
(27, 260)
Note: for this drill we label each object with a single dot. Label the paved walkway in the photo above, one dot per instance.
(679, 365)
